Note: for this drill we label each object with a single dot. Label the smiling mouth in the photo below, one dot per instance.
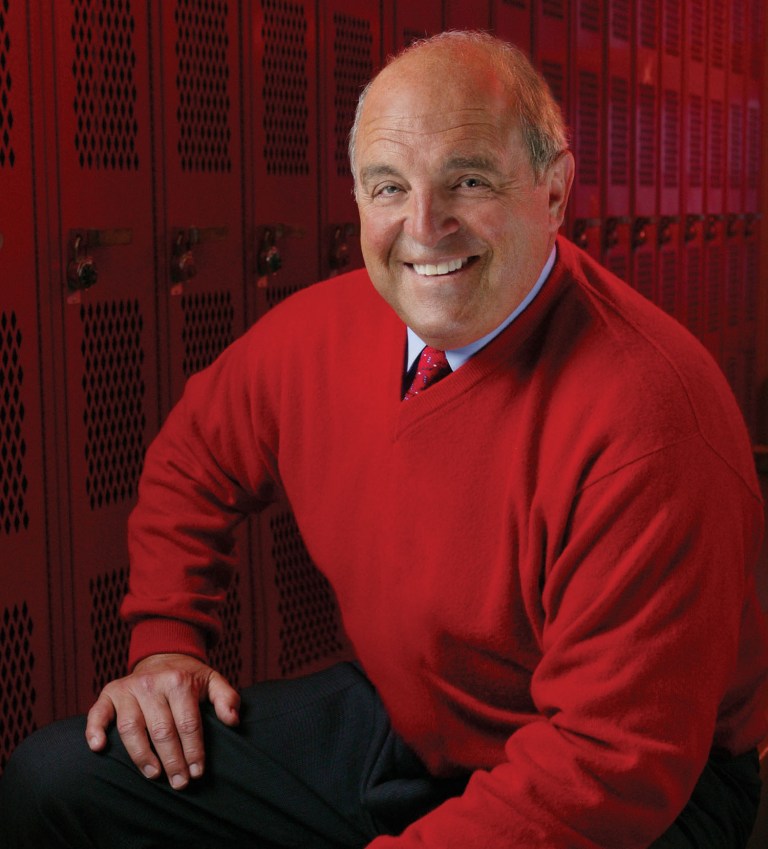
(441, 268)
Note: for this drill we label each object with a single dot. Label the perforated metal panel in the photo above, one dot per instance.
(646, 135)
(14, 516)
(203, 113)
(695, 138)
(228, 654)
(286, 88)
(7, 153)
(114, 390)
(18, 695)
(588, 143)
(353, 68)
(111, 636)
(105, 87)
(309, 630)
(209, 319)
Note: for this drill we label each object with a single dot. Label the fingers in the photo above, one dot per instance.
(225, 700)
(100, 717)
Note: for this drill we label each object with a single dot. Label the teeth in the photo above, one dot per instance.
(430, 270)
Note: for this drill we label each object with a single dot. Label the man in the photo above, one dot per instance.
(544, 560)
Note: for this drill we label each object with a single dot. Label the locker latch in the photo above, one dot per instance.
(82, 272)
(183, 262)
(270, 260)
(665, 229)
(692, 226)
(640, 231)
(339, 255)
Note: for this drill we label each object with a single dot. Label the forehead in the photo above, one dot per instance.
(437, 111)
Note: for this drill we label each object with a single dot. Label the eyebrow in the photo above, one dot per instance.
(455, 163)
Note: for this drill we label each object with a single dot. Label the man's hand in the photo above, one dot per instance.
(158, 705)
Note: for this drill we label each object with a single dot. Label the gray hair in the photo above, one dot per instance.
(540, 117)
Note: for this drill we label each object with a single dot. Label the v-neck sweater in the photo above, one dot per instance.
(544, 562)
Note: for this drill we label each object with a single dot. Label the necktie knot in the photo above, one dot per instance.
(433, 366)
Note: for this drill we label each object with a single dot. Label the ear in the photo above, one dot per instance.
(559, 179)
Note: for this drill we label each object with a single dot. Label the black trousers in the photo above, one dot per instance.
(314, 763)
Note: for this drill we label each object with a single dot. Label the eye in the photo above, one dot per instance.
(387, 190)
(472, 183)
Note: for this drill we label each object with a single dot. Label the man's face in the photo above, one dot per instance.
(454, 229)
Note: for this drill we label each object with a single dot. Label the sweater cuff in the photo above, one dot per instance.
(161, 636)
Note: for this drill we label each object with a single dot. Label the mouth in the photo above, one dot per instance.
(440, 269)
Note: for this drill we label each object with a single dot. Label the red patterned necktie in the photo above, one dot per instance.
(433, 366)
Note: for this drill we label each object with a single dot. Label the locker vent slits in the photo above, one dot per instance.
(695, 158)
(13, 448)
(738, 37)
(209, 320)
(279, 292)
(648, 24)
(554, 74)
(202, 80)
(553, 9)
(589, 15)
(715, 143)
(618, 127)
(735, 139)
(670, 163)
(644, 273)
(713, 281)
(751, 281)
(619, 14)
(310, 629)
(734, 285)
(285, 89)
(589, 128)
(756, 46)
(753, 148)
(114, 389)
(353, 53)
(718, 30)
(696, 11)
(517, 4)
(109, 649)
(694, 272)
(646, 95)
(7, 154)
(673, 28)
(226, 656)
(17, 691)
(669, 272)
(105, 89)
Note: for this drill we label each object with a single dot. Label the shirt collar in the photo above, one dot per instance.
(459, 356)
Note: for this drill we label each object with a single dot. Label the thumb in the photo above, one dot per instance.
(224, 698)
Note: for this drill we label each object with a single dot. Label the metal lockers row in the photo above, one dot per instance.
(169, 171)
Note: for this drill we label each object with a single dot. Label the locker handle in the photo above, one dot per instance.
(269, 258)
(183, 263)
(82, 272)
(665, 229)
(640, 231)
(711, 227)
(338, 257)
(732, 227)
(691, 226)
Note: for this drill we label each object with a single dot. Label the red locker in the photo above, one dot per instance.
(26, 532)
(692, 170)
(587, 93)
(351, 40)
(196, 77)
(406, 22)
(458, 14)
(281, 92)
(715, 181)
(104, 275)
(645, 167)
(617, 116)
(669, 197)
(514, 22)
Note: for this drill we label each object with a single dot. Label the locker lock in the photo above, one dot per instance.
(691, 226)
(81, 269)
(269, 261)
(580, 236)
(611, 233)
(183, 265)
(733, 225)
(711, 227)
(665, 230)
(640, 232)
(339, 255)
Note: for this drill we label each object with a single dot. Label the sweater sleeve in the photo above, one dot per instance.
(643, 613)
(206, 470)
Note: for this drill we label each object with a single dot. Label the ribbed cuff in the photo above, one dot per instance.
(160, 636)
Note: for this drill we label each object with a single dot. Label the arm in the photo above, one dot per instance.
(643, 614)
(202, 474)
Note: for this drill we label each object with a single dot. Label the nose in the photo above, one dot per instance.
(429, 218)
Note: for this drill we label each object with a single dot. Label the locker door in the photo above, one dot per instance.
(458, 14)
(281, 93)
(617, 124)
(714, 197)
(406, 22)
(551, 57)
(196, 52)
(26, 686)
(513, 21)
(669, 293)
(350, 54)
(694, 96)
(103, 155)
(587, 92)
(645, 148)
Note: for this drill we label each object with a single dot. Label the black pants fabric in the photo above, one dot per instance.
(313, 763)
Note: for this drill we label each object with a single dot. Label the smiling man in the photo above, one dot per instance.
(544, 559)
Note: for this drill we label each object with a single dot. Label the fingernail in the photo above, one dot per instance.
(195, 770)
(150, 771)
(178, 781)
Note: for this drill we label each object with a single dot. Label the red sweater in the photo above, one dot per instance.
(544, 562)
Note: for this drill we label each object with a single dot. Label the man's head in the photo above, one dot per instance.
(461, 176)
